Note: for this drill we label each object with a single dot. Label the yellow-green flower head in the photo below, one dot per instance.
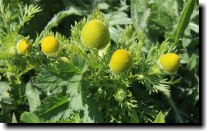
(169, 62)
(120, 95)
(95, 34)
(12, 51)
(23, 47)
(121, 61)
(49, 45)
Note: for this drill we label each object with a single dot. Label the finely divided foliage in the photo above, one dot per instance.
(75, 84)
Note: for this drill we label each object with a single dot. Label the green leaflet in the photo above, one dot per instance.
(14, 119)
(28, 13)
(50, 81)
(4, 88)
(160, 118)
(92, 114)
(140, 23)
(153, 18)
(28, 117)
(134, 117)
(33, 97)
(52, 108)
(192, 62)
(10, 21)
(74, 90)
(80, 99)
(184, 19)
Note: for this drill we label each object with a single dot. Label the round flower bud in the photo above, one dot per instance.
(95, 34)
(120, 95)
(24, 47)
(169, 62)
(121, 61)
(49, 45)
(12, 51)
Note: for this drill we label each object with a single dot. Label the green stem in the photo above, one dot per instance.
(170, 101)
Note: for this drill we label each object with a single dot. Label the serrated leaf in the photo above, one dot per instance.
(137, 13)
(140, 17)
(160, 118)
(153, 18)
(53, 82)
(52, 107)
(75, 90)
(120, 18)
(92, 114)
(114, 34)
(28, 117)
(103, 6)
(4, 86)
(76, 78)
(192, 62)
(33, 97)
(76, 102)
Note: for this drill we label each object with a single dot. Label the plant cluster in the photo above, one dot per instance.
(120, 64)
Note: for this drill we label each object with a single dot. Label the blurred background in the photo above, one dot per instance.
(66, 12)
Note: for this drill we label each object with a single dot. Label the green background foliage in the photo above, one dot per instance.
(36, 88)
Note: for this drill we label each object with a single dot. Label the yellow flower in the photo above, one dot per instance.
(23, 47)
(95, 34)
(169, 62)
(121, 61)
(49, 45)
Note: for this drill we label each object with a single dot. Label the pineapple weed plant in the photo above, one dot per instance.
(127, 62)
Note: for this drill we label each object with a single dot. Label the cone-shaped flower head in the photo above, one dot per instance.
(121, 61)
(95, 34)
(169, 62)
(23, 47)
(49, 45)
